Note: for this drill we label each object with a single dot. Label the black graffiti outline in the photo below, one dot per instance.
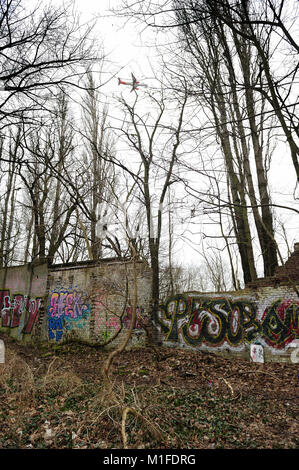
(285, 330)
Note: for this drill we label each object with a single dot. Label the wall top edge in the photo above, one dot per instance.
(246, 290)
(79, 264)
(92, 264)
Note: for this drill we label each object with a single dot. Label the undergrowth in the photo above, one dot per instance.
(49, 405)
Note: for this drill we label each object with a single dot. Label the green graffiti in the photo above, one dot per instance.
(212, 321)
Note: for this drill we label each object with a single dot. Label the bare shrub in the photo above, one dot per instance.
(17, 377)
(59, 378)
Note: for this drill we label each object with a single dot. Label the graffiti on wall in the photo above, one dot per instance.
(67, 309)
(106, 326)
(106, 322)
(111, 323)
(138, 320)
(215, 322)
(19, 310)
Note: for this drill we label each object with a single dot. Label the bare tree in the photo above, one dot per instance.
(220, 63)
(51, 146)
(98, 156)
(9, 220)
(260, 23)
(157, 147)
(42, 47)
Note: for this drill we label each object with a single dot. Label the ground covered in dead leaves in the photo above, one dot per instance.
(56, 398)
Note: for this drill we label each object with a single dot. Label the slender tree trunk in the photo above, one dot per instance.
(170, 241)
(268, 247)
(243, 233)
(154, 252)
(5, 216)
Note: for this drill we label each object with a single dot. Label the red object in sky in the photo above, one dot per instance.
(134, 83)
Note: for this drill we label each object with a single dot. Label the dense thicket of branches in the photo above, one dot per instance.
(42, 47)
(44, 53)
(228, 52)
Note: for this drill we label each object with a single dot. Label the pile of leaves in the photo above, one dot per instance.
(56, 398)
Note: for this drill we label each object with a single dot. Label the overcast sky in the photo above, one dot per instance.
(122, 43)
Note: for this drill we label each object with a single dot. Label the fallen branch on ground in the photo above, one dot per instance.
(150, 427)
(229, 385)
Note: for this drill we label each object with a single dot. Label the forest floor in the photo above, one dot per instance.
(56, 398)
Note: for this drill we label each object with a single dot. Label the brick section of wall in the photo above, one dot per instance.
(228, 323)
(283, 275)
(84, 302)
(93, 303)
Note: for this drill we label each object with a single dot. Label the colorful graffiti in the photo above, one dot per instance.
(106, 326)
(280, 323)
(69, 304)
(218, 321)
(138, 320)
(106, 323)
(18, 309)
(66, 310)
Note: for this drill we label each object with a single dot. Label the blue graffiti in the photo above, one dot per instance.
(67, 309)
(56, 328)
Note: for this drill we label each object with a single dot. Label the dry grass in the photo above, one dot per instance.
(17, 377)
(59, 378)
(20, 379)
(52, 400)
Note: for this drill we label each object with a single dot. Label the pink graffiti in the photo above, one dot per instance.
(110, 323)
(113, 323)
(33, 313)
(17, 308)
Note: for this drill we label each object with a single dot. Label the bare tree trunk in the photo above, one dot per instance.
(147, 150)
(243, 233)
(268, 247)
(6, 227)
(99, 152)
(170, 246)
(28, 239)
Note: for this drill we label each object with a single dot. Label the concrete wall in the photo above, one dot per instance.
(229, 322)
(82, 302)
(93, 303)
